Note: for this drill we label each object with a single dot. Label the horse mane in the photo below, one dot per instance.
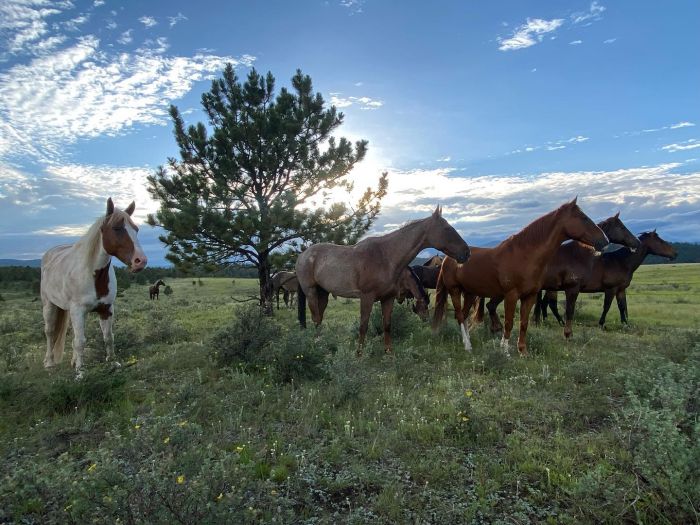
(418, 282)
(88, 246)
(536, 231)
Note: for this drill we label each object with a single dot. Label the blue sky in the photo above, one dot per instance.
(501, 110)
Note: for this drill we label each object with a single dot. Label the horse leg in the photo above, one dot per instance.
(492, 307)
(366, 302)
(538, 309)
(606, 306)
(571, 296)
(460, 314)
(77, 317)
(322, 301)
(510, 301)
(387, 307)
(551, 300)
(106, 321)
(526, 304)
(621, 297)
(285, 296)
(312, 297)
(51, 313)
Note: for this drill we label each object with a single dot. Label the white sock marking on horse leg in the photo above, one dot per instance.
(465, 337)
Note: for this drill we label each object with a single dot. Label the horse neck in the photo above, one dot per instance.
(637, 257)
(544, 234)
(406, 242)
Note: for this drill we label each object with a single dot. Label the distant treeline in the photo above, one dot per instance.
(688, 252)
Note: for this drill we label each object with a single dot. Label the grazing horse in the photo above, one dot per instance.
(434, 261)
(287, 283)
(571, 267)
(154, 289)
(410, 287)
(370, 269)
(428, 271)
(612, 273)
(79, 278)
(513, 270)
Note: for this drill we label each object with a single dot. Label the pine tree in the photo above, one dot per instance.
(242, 190)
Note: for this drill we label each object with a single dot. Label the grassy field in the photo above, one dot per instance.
(220, 416)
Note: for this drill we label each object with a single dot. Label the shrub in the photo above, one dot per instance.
(403, 321)
(167, 290)
(246, 341)
(96, 391)
(299, 356)
(163, 329)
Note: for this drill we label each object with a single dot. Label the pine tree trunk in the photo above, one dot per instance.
(265, 285)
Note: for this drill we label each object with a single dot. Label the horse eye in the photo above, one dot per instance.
(119, 228)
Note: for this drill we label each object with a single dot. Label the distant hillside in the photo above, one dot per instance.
(32, 263)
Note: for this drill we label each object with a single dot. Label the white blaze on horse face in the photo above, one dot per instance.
(138, 259)
(465, 336)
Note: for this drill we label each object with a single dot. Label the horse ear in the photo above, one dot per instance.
(438, 211)
(110, 206)
(573, 202)
(654, 230)
(617, 215)
(130, 209)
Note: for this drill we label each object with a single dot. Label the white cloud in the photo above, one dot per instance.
(83, 92)
(24, 22)
(576, 42)
(445, 159)
(366, 103)
(594, 13)
(354, 6)
(609, 40)
(75, 23)
(683, 124)
(172, 20)
(551, 145)
(148, 21)
(98, 3)
(529, 34)
(125, 37)
(683, 146)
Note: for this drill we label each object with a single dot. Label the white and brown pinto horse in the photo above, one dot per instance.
(79, 278)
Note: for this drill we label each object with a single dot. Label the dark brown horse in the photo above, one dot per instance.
(370, 269)
(154, 289)
(514, 269)
(571, 266)
(612, 273)
(410, 287)
(428, 275)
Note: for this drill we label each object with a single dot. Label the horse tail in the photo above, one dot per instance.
(478, 314)
(301, 307)
(440, 299)
(60, 328)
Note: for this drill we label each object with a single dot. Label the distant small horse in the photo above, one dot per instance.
(79, 278)
(287, 283)
(370, 269)
(513, 270)
(154, 289)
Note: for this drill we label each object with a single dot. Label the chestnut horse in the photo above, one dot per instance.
(370, 269)
(79, 278)
(612, 273)
(513, 270)
(571, 266)
(154, 289)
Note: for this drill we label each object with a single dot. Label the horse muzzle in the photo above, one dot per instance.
(138, 263)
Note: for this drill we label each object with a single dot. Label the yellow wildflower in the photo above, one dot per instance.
(137, 426)
(240, 448)
(166, 440)
(465, 418)
(183, 423)
(220, 496)
(180, 479)
(468, 392)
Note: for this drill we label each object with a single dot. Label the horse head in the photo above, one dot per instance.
(657, 246)
(442, 236)
(119, 237)
(618, 233)
(579, 226)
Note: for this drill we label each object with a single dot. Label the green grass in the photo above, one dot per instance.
(603, 428)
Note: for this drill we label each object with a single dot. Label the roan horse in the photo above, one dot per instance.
(513, 270)
(370, 269)
(154, 289)
(79, 278)
(612, 273)
(287, 283)
(571, 267)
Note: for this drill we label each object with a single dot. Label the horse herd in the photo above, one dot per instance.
(530, 266)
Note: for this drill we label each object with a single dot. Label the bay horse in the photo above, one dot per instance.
(512, 270)
(287, 283)
(154, 289)
(79, 278)
(428, 271)
(370, 269)
(570, 267)
(410, 287)
(612, 274)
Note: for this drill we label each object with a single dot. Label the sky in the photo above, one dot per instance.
(500, 111)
